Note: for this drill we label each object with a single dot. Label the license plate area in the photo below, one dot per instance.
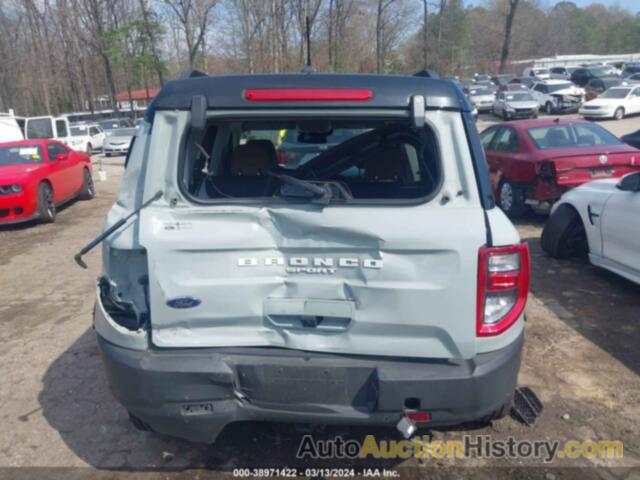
(601, 172)
(284, 385)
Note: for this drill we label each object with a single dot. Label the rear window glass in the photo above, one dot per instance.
(40, 128)
(571, 136)
(299, 159)
(19, 155)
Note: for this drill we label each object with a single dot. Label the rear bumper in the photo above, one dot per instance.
(195, 393)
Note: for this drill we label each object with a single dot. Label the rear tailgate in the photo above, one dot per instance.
(574, 170)
(396, 281)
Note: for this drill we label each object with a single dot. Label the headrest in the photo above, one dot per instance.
(256, 157)
(386, 164)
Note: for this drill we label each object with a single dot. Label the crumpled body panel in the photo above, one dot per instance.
(394, 281)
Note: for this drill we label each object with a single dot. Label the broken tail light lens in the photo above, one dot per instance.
(503, 286)
(308, 95)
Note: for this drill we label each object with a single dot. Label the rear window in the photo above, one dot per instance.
(19, 155)
(289, 159)
(571, 136)
(40, 128)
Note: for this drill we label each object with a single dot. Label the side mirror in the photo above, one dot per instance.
(62, 157)
(629, 183)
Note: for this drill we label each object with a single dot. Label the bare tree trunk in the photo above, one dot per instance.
(425, 53)
(504, 56)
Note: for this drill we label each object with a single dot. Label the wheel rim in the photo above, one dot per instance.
(506, 196)
(619, 114)
(49, 203)
(91, 189)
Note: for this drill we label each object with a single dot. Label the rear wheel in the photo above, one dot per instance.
(564, 235)
(46, 204)
(89, 149)
(88, 187)
(511, 199)
(619, 113)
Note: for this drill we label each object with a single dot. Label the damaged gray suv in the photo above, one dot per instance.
(359, 276)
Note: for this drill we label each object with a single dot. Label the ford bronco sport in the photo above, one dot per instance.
(370, 279)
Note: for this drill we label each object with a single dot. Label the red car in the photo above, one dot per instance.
(38, 175)
(533, 162)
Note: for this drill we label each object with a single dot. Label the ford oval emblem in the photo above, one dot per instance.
(603, 159)
(183, 302)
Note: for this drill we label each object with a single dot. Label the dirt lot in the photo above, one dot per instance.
(581, 357)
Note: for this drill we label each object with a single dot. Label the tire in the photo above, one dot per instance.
(618, 114)
(548, 108)
(46, 206)
(563, 235)
(89, 149)
(107, 154)
(88, 187)
(511, 199)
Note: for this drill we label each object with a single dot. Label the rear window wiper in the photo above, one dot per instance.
(301, 188)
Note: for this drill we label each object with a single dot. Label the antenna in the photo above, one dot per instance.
(309, 67)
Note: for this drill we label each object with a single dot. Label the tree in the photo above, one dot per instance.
(504, 56)
(193, 16)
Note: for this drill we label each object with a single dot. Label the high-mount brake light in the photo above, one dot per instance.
(503, 286)
(308, 95)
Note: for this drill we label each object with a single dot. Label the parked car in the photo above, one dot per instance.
(294, 151)
(558, 96)
(112, 124)
(581, 76)
(536, 73)
(86, 138)
(118, 141)
(635, 78)
(596, 86)
(533, 162)
(36, 176)
(561, 73)
(515, 104)
(616, 102)
(632, 139)
(481, 96)
(601, 219)
(481, 78)
(631, 69)
(48, 127)
(526, 81)
(10, 130)
(502, 79)
(299, 294)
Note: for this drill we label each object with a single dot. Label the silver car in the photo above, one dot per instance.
(118, 142)
(481, 97)
(515, 104)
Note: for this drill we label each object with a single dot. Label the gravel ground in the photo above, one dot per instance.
(581, 357)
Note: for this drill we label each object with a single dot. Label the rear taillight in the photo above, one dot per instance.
(503, 286)
(282, 158)
(308, 94)
(547, 169)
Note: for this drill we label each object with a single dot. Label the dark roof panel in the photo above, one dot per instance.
(389, 91)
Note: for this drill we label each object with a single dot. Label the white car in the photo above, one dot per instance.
(86, 138)
(615, 102)
(537, 73)
(601, 219)
(10, 130)
(558, 96)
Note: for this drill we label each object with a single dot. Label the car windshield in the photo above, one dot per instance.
(124, 132)
(571, 136)
(290, 159)
(39, 128)
(599, 72)
(518, 97)
(559, 86)
(540, 71)
(616, 93)
(18, 155)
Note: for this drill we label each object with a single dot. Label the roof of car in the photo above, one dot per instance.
(389, 91)
(554, 81)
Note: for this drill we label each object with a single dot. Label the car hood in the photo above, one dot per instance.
(17, 173)
(604, 102)
(119, 139)
(569, 91)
